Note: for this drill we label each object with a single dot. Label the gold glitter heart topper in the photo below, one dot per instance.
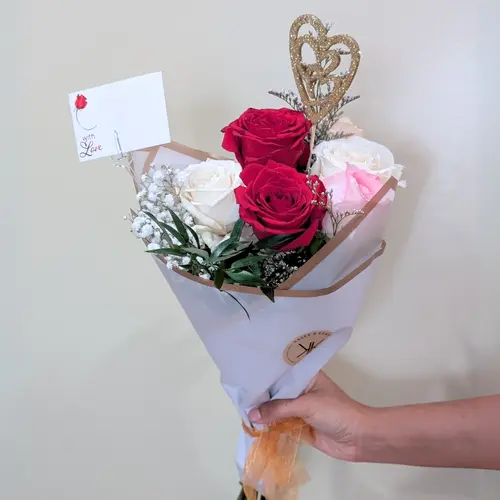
(311, 79)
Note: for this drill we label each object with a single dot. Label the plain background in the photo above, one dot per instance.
(105, 390)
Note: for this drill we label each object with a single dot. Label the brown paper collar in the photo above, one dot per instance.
(298, 294)
(284, 289)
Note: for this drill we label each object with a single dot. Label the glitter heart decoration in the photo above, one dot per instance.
(310, 78)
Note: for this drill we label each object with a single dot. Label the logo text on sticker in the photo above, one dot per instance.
(299, 348)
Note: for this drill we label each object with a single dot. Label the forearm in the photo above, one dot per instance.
(463, 434)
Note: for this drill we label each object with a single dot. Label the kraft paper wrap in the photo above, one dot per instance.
(266, 457)
(285, 289)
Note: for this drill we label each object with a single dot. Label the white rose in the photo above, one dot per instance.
(332, 157)
(207, 193)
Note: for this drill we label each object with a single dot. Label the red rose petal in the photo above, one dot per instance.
(277, 200)
(262, 134)
(249, 173)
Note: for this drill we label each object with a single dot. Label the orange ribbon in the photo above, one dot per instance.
(272, 465)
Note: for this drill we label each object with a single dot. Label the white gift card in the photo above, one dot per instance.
(120, 117)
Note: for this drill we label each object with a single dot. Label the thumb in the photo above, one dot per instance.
(278, 410)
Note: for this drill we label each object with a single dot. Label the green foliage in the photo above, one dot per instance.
(319, 241)
(233, 261)
(323, 129)
(290, 98)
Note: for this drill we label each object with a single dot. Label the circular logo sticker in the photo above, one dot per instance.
(297, 350)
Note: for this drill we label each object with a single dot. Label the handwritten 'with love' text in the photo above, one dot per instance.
(89, 146)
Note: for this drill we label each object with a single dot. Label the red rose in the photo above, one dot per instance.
(259, 135)
(80, 101)
(277, 200)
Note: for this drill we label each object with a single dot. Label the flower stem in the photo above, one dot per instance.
(78, 121)
(311, 147)
(240, 304)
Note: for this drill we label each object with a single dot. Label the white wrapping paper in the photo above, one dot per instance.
(253, 354)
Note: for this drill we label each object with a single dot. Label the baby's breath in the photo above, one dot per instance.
(277, 268)
(158, 192)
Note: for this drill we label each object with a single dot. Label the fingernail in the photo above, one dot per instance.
(254, 415)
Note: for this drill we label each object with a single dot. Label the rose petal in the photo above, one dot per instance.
(262, 134)
(304, 239)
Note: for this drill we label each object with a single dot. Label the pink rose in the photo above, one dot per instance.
(351, 190)
(346, 126)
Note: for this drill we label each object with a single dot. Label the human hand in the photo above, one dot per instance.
(336, 418)
(463, 433)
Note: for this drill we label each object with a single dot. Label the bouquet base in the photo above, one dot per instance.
(242, 496)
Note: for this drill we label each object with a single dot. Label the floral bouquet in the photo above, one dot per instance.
(270, 254)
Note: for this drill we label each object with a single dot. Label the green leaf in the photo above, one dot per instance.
(175, 233)
(245, 278)
(314, 246)
(248, 261)
(239, 250)
(219, 277)
(317, 243)
(229, 256)
(160, 224)
(237, 230)
(222, 247)
(240, 304)
(255, 269)
(151, 216)
(202, 253)
(195, 236)
(275, 241)
(181, 227)
(168, 251)
(168, 228)
(268, 292)
(231, 243)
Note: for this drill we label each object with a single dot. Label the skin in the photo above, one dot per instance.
(461, 434)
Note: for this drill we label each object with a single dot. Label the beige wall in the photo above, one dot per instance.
(106, 392)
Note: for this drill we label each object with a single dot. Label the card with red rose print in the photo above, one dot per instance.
(120, 117)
